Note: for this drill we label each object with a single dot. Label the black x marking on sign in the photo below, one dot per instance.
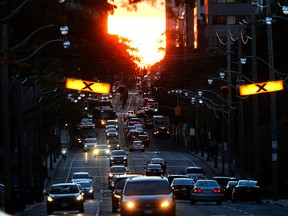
(88, 86)
(261, 87)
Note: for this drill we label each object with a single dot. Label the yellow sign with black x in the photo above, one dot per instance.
(258, 88)
(82, 85)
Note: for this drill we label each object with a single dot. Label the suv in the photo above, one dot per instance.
(195, 173)
(118, 157)
(147, 195)
(81, 176)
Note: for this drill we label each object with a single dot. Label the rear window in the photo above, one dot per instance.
(147, 188)
(194, 170)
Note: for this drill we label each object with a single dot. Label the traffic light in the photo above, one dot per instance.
(156, 106)
(86, 106)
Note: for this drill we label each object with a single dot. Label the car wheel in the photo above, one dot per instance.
(49, 211)
(192, 202)
(114, 208)
(81, 210)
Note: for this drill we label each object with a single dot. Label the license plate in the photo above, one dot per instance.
(183, 189)
(148, 211)
(64, 204)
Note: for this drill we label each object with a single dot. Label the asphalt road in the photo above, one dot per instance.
(178, 160)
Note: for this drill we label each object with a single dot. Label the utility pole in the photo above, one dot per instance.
(273, 110)
(257, 151)
(6, 123)
(229, 101)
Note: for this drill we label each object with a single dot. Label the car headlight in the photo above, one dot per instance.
(130, 204)
(107, 151)
(124, 158)
(111, 158)
(49, 199)
(165, 204)
(96, 152)
(110, 175)
(79, 197)
(91, 191)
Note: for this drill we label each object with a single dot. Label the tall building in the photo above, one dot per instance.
(203, 25)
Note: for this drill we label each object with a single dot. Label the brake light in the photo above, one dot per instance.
(160, 170)
(148, 170)
(172, 188)
(197, 190)
(216, 191)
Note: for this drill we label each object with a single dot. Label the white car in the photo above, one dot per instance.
(195, 173)
(89, 144)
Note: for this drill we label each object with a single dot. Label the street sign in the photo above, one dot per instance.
(82, 85)
(258, 88)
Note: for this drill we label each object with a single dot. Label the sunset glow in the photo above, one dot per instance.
(145, 31)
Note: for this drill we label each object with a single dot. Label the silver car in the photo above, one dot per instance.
(206, 191)
(89, 144)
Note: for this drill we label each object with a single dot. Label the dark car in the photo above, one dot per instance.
(114, 144)
(116, 170)
(87, 189)
(160, 161)
(182, 187)
(206, 191)
(171, 177)
(118, 157)
(247, 190)
(147, 195)
(227, 191)
(117, 188)
(137, 145)
(154, 170)
(145, 138)
(64, 196)
(223, 180)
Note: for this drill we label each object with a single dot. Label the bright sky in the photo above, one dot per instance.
(144, 27)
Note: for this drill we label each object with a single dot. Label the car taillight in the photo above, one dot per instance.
(203, 177)
(172, 188)
(161, 171)
(148, 170)
(197, 190)
(216, 191)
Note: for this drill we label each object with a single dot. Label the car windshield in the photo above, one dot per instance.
(117, 169)
(81, 176)
(183, 182)
(118, 153)
(247, 183)
(84, 184)
(90, 140)
(64, 189)
(147, 188)
(194, 170)
(120, 184)
(206, 184)
(157, 161)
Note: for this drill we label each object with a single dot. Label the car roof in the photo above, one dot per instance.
(64, 184)
(147, 179)
(80, 173)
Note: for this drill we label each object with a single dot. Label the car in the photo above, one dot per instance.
(64, 196)
(160, 161)
(112, 123)
(154, 170)
(137, 145)
(145, 138)
(171, 177)
(87, 189)
(116, 170)
(182, 187)
(89, 144)
(147, 195)
(195, 172)
(117, 187)
(81, 176)
(223, 180)
(112, 133)
(114, 144)
(206, 191)
(247, 190)
(101, 150)
(227, 191)
(118, 157)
